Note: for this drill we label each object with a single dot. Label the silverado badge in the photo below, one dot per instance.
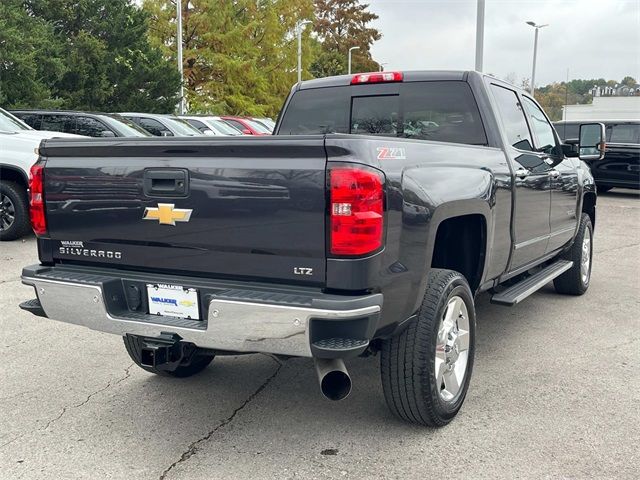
(167, 214)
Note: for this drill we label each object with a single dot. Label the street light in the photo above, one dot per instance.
(349, 58)
(535, 53)
(179, 44)
(299, 28)
(381, 66)
(479, 35)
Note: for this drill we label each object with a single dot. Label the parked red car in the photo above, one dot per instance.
(247, 126)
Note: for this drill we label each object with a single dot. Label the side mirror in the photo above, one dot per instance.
(591, 145)
(166, 133)
(208, 132)
(107, 133)
(246, 131)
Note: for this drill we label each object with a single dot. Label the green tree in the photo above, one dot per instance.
(239, 57)
(83, 54)
(629, 81)
(327, 64)
(342, 24)
(30, 58)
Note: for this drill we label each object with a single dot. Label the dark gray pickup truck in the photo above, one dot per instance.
(382, 206)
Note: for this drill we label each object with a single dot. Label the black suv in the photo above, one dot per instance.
(81, 123)
(620, 166)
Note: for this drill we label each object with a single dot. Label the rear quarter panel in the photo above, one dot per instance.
(427, 183)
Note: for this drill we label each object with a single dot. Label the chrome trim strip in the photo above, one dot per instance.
(564, 230)
(531, 241)
(231, 325)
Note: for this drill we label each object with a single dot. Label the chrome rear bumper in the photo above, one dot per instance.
(231, 325)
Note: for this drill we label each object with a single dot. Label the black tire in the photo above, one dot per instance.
(572, 281)
(13, 199)
(407, 361)
(603, 188)
(197, 363)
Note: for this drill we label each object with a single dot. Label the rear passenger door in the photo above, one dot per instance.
(532, 196)
(563, 177)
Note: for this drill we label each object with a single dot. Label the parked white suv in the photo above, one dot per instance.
(18, 142)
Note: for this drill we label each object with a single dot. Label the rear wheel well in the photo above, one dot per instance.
(589, 206)
(8, 174)
(460, 246)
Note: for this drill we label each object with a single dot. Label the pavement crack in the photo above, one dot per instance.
(111, 383)
(192, 449)
(11, 280)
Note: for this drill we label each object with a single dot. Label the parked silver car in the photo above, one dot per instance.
(163, 125)
(210, 123)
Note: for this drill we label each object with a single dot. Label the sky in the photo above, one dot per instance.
(591, 38)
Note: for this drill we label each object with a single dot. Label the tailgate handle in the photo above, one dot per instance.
(166, 183)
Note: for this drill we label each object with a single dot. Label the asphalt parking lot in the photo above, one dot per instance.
(555, 394)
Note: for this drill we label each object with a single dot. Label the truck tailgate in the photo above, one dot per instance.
(251, 208)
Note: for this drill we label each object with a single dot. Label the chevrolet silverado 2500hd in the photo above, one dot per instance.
(367, 224)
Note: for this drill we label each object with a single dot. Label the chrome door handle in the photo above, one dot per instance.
(554, 173)
(522, 173)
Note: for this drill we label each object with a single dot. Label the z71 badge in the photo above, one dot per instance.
(391, 153)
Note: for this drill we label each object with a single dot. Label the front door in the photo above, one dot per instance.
(562, 174)
(532, 197)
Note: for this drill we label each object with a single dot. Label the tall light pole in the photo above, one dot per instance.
(179, 43)
(381, 66)
(535, 54)
(479, 35)
(349, 58)
(299, 28)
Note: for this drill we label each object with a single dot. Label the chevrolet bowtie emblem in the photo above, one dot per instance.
(166, 214)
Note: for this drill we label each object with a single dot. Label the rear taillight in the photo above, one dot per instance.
(356, 210)
(36, 202)
(376, 77)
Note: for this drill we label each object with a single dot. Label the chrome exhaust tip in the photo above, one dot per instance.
(335, 382)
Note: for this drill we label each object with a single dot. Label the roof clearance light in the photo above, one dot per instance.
(376, 77)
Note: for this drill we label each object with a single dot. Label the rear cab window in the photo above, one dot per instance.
(443, 111)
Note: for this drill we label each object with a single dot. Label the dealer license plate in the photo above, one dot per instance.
(173, 301)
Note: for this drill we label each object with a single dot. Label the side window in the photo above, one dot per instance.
(236, 124)
(513, 121)
(152, 126)
(57, 123)
(197, 124)
(546, 140)
(90, 127)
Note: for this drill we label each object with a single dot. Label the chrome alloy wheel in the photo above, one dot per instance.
(452, 349)
(585, 260)
(7, 213)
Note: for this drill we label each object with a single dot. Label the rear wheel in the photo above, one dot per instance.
(14, 211)
(195, 364)
(426, 369)
(575, 281)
